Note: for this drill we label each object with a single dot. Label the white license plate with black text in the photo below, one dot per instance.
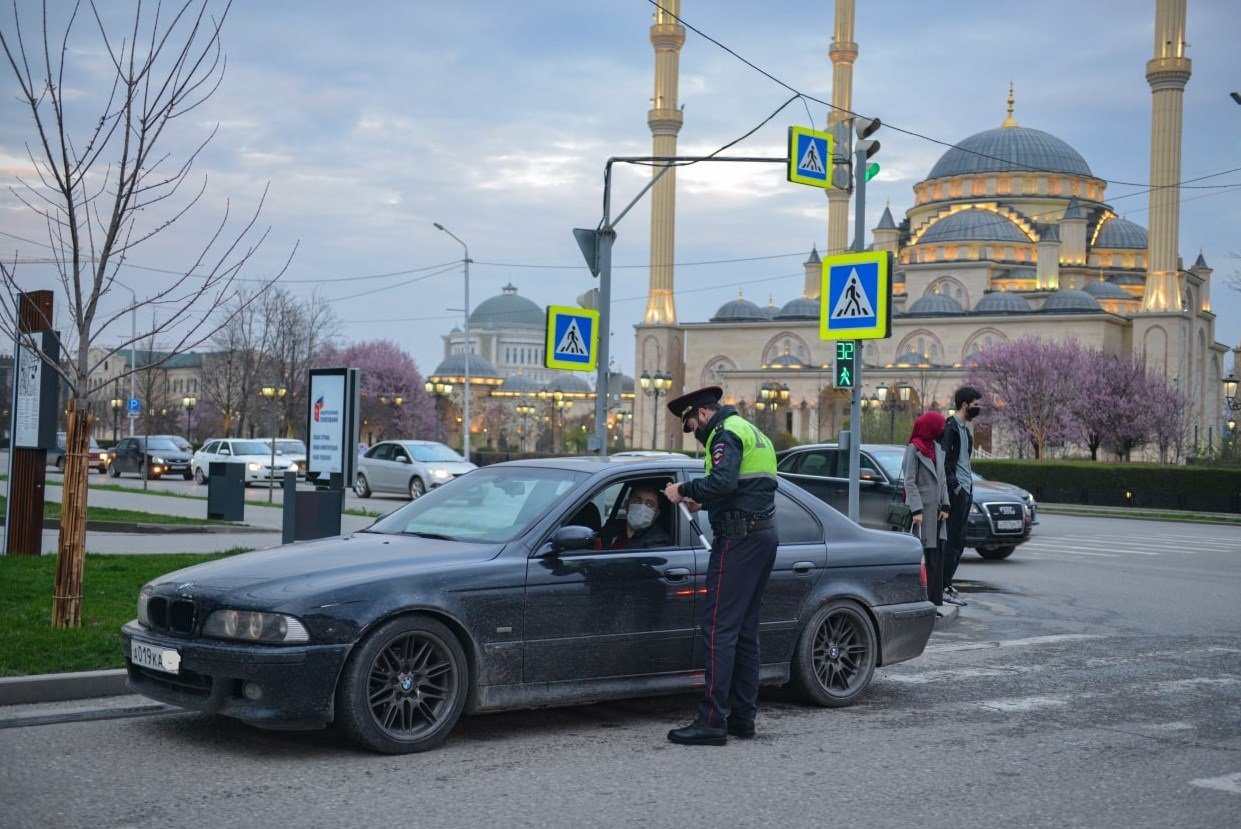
(146, 655)
(1012, 524)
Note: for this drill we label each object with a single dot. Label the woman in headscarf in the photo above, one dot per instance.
(926, 493)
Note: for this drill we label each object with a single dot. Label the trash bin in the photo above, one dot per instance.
(226, 491)
(312, 514)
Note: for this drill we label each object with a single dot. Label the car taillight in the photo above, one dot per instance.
(922, 573)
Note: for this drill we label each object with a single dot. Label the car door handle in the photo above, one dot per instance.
(676, 573)
(801, 568)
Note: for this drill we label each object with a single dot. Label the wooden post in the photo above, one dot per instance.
(71, 549)
(24, 531)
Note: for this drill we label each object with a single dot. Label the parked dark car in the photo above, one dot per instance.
(56, 457)
(487, 594)
(999, 520)
(162, 455)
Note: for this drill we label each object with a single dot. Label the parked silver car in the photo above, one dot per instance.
(410, 467)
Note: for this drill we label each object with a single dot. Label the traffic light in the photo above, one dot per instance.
(843, 376)
(866, 127)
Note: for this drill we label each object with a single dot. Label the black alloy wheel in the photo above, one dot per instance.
(416, 488)
(113, 472)
(836, 655)
(361, 486)
(404, 687)
(998, 552)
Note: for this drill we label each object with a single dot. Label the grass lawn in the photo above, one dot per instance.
(110, 587)
(51, 509)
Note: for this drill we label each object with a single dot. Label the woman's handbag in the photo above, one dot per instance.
(900, 516)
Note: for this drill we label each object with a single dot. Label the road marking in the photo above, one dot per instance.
(1008, 706)
(1230, 783)
(1051, 639)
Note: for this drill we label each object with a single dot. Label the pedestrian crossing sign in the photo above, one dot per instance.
(856, 296)
(572, 338)
(810, 157)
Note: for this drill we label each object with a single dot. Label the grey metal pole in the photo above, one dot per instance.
(606, 236)
(855, 407)
(465, 393)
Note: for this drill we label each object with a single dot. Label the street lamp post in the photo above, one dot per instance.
(393, 400)
(622, 417)
(654, 387)
(524, 411)
(272, 394)
(1230, 392)
(770, 397)
(893, 402)
(441, 391)
(465, 440)
(189, 403)
(117, 404)
(562, 407)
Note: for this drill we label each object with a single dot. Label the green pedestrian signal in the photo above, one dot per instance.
(872, 170)
(843, 376)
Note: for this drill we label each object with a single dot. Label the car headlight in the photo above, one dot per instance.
(974, 509)
(157, 461)
(253, 467)
(254, 626)
(144, 597)
(441, 474)
(293, 466)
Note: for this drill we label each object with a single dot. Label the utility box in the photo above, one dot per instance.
(312, 514)
(226, 491)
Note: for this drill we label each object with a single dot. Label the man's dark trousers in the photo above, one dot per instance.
(737, 574)
(958, 517)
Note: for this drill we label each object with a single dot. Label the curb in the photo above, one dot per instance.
(950, 611)
(41, 688)
(160, 529)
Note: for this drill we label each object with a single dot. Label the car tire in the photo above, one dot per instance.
(361, 487)
(996, 553)
(403, 687)
(200, 477)
(113, 472)
(416, 488)
(189, 476)
(835, 658)
(60, 464)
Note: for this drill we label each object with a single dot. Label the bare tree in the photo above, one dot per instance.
(294, 332)
(103, 189)
(230, 371)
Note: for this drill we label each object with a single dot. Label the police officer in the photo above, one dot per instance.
(739, 493)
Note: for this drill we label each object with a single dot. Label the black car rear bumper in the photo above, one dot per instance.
(295, 684)
(904, 629)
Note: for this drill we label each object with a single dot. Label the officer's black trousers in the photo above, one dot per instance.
(737, 574)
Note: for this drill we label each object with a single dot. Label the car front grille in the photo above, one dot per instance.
(1006, 511)
(171, 615)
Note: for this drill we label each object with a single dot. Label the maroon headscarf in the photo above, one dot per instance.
(927, 429)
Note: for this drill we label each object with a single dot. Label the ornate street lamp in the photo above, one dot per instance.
(188, 403)
(392, 400)
(117, 404)
(655, 387)
(441, 391)
(1230, 393)
(524, 411)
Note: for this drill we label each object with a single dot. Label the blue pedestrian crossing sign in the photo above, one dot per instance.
(572, 338)
(810, 157)
(856, 296)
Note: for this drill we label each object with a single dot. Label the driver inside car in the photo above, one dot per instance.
(640, 528)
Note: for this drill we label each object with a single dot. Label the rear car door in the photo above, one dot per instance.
(876, 492)
(610, 613)
(815, 470)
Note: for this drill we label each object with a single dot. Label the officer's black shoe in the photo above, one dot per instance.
(698, 734)
(741, 728)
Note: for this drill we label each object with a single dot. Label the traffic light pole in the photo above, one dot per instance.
(855, 407)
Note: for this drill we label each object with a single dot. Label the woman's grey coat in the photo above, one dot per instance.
(926, 490)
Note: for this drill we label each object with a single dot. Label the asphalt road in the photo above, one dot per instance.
(1094, 680)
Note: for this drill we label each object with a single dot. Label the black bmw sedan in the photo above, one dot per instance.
(493, 592)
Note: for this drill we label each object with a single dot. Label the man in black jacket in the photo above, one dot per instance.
(958, 443)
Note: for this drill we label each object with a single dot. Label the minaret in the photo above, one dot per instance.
(1167, 73)
(664, 119)
(843, 53)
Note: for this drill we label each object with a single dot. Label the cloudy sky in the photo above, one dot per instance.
(372, 120)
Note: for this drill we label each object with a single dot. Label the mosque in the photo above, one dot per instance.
(1009, 236)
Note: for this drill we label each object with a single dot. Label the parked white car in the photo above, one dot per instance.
(254, 453)
(409, 467)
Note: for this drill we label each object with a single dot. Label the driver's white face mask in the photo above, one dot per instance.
(639, 516)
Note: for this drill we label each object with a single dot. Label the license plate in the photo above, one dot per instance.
(156, 658)
(1008, 525)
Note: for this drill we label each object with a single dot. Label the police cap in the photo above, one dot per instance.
(688, 403)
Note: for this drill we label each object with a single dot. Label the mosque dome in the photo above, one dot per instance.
(802, 308)
(1103, 289)
(973, 225)
(785, 361)
(1121, 233)
(1002, 302)
(519, 384)
(739, 310)
(1068, 299)
(481, 369)
(508, 310)
(935, 304)
(1010, 149)
(569, 383)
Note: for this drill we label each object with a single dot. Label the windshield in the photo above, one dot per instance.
(251, 447)
(290, 447)
(493, 504)
(164, 444)
(889, 459)
(430, 452)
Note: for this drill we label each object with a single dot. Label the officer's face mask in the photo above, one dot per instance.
(639, 516)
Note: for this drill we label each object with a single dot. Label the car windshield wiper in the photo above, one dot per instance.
(420, 534)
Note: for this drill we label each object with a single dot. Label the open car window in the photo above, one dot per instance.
(492, 504)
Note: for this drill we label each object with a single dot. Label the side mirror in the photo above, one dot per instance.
(573, 537)
(226, 451)
(403, 459)
(868, 474)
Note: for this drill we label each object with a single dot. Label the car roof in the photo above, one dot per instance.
(869, 446)
(593, 463)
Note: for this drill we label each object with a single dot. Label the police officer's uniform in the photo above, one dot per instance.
(739, 493)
